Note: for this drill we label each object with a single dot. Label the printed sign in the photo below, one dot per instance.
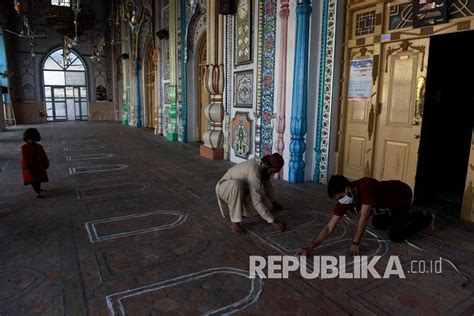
(360, 80)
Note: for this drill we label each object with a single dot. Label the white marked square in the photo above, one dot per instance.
(124, 189)
(77, 148)
(88, 157)
(79, 141)
(95, 169)
(94, 236)
(115, 302)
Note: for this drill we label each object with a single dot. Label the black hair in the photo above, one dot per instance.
(31, 133)
(337, 184)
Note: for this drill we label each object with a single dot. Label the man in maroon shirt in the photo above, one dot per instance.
(388, 201)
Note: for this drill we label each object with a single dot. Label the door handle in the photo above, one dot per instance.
(416, 136)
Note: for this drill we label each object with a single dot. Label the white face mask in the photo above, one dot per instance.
(346, 200)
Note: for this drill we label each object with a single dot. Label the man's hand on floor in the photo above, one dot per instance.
(281, 226)
(303, 252)
(354, 251)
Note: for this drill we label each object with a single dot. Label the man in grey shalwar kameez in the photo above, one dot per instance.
(246, 190)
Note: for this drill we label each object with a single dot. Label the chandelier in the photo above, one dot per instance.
(60, 17)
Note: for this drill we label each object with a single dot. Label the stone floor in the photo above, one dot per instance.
(130, 225)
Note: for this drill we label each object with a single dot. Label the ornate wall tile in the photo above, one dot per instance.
(243, 89)
(241, 135)
(166, 98)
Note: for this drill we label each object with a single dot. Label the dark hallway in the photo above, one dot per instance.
(447, 124)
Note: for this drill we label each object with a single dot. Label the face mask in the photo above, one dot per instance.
(346, 199)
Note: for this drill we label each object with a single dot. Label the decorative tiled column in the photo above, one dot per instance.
(258, 110)
(157, 55)
(183, 126)
(268, 75)
(298, 124)
(125, 50)
(228, 86)
(214, 111)
(281, 105)
(172, 134)
(328, 40)
(137, 94)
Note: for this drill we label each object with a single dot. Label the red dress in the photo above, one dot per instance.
(34, 163)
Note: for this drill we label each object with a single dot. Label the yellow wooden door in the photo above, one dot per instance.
(150, 91)
(203, 99)
(359, 124)
(401, 110)
(467, 213)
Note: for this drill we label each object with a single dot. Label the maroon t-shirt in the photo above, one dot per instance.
(382, 196)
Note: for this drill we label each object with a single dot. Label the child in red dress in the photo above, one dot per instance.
(34, 161)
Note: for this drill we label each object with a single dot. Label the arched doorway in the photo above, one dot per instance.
(65, 87)
(150, 74)
(203, 95)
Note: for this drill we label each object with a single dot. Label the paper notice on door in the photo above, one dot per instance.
(360, 80)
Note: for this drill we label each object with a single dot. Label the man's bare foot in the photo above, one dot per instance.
(237, 229)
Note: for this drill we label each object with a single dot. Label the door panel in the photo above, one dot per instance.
(467, 212)
(395, 160)
(77, 104)
(401, 91)
(401, 110)
(359, 128)
(150, 90)
(71, 113)
(356, 147)
(59, 104)
(203, 99)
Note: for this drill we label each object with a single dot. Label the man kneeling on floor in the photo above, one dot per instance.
(388, 201)
(246, 189)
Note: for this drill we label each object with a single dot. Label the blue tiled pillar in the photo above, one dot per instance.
(298, 123)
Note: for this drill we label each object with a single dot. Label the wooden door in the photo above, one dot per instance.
(203, 99)
(359, 125)
(401, 110)
(467, 213)
(150, 91)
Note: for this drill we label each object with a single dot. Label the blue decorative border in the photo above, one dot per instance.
(268, 75)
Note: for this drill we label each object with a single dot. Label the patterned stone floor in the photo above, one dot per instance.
(130, 225)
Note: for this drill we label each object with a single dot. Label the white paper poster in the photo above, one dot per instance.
(360, 80)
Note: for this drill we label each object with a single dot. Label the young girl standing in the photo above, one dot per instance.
(34, 161)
